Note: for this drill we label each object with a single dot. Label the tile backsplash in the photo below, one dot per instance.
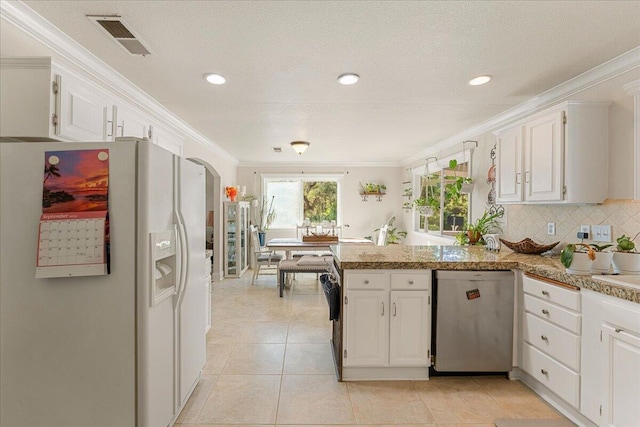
(531, 220)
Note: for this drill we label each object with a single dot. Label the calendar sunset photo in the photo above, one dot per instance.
(75, 181)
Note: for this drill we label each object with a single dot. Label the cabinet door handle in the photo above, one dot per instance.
(411, 282)
(618, 330)
(518, 178)
(527, 175)
(394, 309)
(110, 127)
(382, 314)
(545, 311)
(544, 372)
(366, 282)
(121, 127)
(545, 293)
(544, 338)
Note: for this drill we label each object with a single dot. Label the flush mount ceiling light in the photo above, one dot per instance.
(348, 78)
(300, 146)
(480, 80)
(215, 79)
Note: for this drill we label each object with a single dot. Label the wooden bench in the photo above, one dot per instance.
(306, 264)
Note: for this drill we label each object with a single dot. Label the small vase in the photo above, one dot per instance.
(602, 262)
(262, 237)
(232, 198)
(626, 262)
(580, 265)
(474, 236)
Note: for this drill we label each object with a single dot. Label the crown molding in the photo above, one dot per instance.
(606, 71)
(27, 20)
(283, 164)
(632, 88)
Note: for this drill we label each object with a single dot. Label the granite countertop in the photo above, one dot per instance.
(392, 257)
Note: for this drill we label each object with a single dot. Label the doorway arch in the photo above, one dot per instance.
(214, 234)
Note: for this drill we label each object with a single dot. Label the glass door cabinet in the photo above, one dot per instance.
(236, 229)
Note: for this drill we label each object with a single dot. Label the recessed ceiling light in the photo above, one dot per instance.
(480, 80)
(215, 79)
(348, 78)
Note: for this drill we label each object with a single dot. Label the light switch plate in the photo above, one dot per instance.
(602, 233)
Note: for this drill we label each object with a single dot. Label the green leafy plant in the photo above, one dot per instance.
(266, 214)
(599, 248)
(625, 244)
(487, 223)
(371, 188)
(566, 256)
(394, 235)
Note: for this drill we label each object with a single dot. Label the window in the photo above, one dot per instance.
(441, 206)
(305, 196)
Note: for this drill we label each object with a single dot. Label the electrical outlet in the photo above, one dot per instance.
(585, 229)
(551, 228)
(602, 233)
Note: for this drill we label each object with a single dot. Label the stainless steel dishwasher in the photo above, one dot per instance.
(473, 323)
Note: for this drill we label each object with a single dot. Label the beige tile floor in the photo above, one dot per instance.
(269, 363)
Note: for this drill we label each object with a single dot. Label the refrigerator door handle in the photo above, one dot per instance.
(183, 260)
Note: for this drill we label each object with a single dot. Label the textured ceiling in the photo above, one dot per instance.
(281, 60)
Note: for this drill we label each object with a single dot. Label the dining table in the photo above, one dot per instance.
(289, 244)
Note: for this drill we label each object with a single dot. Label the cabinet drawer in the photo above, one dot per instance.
(366, 280)
(557, 315)
(559, 379)
(552, 293)
(620, 314)
(557, 343)
(410, 281)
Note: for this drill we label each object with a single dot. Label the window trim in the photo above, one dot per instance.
(438, 165)
(305, 177)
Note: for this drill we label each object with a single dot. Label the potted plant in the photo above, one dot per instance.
(626, 260)
(603, 259)
(266, 215)
(394, 235)
(578, 258)
(485, 224)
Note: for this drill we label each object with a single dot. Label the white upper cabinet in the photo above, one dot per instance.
(557, 156)
(129, 122)
(82, 110)
(41, 99)
(509, 169)
(544, 158)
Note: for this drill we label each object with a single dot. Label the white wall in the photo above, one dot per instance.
(362, 217)
(621, 148)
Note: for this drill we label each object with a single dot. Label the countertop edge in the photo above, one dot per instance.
(582, 282)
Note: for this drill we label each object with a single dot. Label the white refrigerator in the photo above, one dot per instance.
(120, 349)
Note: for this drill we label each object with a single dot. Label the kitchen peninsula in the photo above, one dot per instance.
(435, 257)
(576, 339)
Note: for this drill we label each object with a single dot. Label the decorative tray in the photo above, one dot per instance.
(528, 246)
(320, 238)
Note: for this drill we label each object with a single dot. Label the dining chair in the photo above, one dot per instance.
(382, 235)
(263, 257)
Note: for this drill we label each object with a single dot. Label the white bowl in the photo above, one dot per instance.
(580, 265)
(626, 262)
(602, 262)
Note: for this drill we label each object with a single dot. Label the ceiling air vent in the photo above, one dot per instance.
(118, 29)
(277, 149)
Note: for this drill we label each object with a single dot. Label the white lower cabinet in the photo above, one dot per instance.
(551, 337)
(367, 328)
(386, 329)
(409, 338)
(621, 339)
